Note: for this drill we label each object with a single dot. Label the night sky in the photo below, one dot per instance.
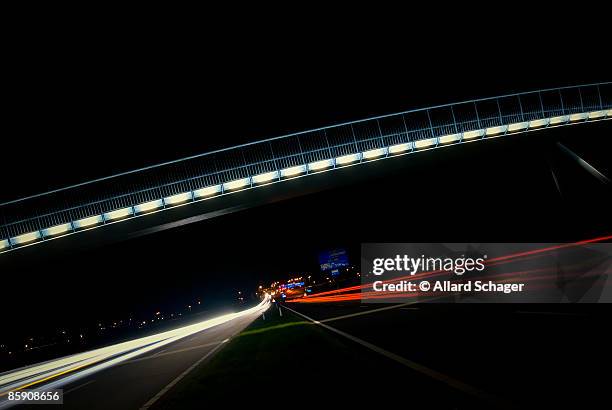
(81, 111)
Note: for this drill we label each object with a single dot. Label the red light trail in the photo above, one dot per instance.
(351, 292)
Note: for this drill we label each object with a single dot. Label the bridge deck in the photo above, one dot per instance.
(153, 189)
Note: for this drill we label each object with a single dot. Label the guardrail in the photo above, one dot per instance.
(152, 189)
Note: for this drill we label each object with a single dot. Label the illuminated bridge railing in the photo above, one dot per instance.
(152, 189)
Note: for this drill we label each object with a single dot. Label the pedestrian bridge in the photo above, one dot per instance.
(142, 192)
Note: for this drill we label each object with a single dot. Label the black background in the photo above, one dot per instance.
(79, 107)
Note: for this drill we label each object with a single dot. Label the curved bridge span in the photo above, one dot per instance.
(153, 189)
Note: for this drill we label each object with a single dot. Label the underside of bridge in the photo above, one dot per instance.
(499, 185)
(179, 192)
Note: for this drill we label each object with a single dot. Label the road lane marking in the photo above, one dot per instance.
(78, 387)
(160, 352)
(367, 312)
(166, 353)
(454, 383)
(111, 357)
(193, 366)
(180, 376)
(73, 369)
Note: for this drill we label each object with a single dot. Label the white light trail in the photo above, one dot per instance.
(82, 364)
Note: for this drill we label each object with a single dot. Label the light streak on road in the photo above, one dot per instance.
(525, 276)
(352, 292)
(83, 364)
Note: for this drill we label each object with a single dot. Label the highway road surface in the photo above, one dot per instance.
(523, 355)
(137, 380)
